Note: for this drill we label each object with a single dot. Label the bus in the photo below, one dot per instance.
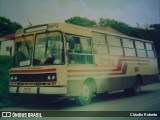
(65, 60)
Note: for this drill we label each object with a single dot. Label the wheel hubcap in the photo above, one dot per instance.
(85, 92)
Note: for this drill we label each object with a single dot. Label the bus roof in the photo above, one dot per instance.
(68, 28)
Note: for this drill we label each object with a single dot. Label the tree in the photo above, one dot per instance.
(155, 26)
(120, 26)
(81, 21)
(7, 26)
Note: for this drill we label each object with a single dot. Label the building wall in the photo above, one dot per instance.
(7, 47)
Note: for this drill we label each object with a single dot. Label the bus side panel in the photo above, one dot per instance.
(74, 87)
(113, 84)
(149, 79)
(149, 73)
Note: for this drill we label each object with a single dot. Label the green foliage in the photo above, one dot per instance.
(81, 21)
(120, 26)
(7, 26)
(155, 26)
(5, 65)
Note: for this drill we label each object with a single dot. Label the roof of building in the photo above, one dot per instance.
(9, 36)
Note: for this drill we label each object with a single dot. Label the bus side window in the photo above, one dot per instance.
(115, 47)
(141, 52)
(128, 46)
(77, 47)
(150, 50)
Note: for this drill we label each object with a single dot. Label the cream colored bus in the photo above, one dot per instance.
(60, 59)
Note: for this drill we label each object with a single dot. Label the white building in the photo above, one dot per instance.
(6, 46)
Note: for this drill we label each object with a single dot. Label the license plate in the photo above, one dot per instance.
(27, 90)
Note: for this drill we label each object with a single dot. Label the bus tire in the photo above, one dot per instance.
(135, 90)
(85, 95)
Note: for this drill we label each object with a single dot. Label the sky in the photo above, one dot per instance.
(37, 12)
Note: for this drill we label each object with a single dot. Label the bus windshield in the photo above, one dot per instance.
(23, 51)
(48, 49)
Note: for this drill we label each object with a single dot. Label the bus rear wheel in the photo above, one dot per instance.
(86, 94)
(135, 90)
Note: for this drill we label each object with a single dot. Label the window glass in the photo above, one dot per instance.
(23, 51)
(115, 50)
(150, 54)
(129, 52)
(99, 38)
(49, 49)
(79, 50)
(149, 46)
(128, 43)
(141, 53)
(139, 45)
(113, 40)
(100, 49)
(79, 44)
(85, 44)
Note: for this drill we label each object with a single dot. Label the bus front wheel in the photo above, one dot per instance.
(86, 94)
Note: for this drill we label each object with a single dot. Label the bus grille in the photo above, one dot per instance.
(33, 77)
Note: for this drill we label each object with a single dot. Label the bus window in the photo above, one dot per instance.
(148, 46)
(127, 43)
(150, 54)
(49, 49)
(139, 45)
(23, 51)
(141, 53)
(79, 50)
(113, 50)
(100, 49)
(113, 40)
(99, 38)
(129, 49)
(130, 52)
(85, 45)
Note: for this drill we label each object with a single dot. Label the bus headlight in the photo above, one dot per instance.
(51, 77)
(13, 78)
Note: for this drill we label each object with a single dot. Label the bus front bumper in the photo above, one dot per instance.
(39, 90)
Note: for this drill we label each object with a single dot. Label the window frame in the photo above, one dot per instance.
(79, 53)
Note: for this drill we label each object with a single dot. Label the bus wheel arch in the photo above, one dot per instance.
(88, 88)
(93, 85)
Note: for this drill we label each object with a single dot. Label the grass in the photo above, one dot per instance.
(7, 99)
(5, 65)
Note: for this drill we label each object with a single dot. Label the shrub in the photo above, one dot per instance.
(5, 65)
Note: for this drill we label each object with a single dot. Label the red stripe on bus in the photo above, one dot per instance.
(120, 63)
(30, 71)
(119, 66)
